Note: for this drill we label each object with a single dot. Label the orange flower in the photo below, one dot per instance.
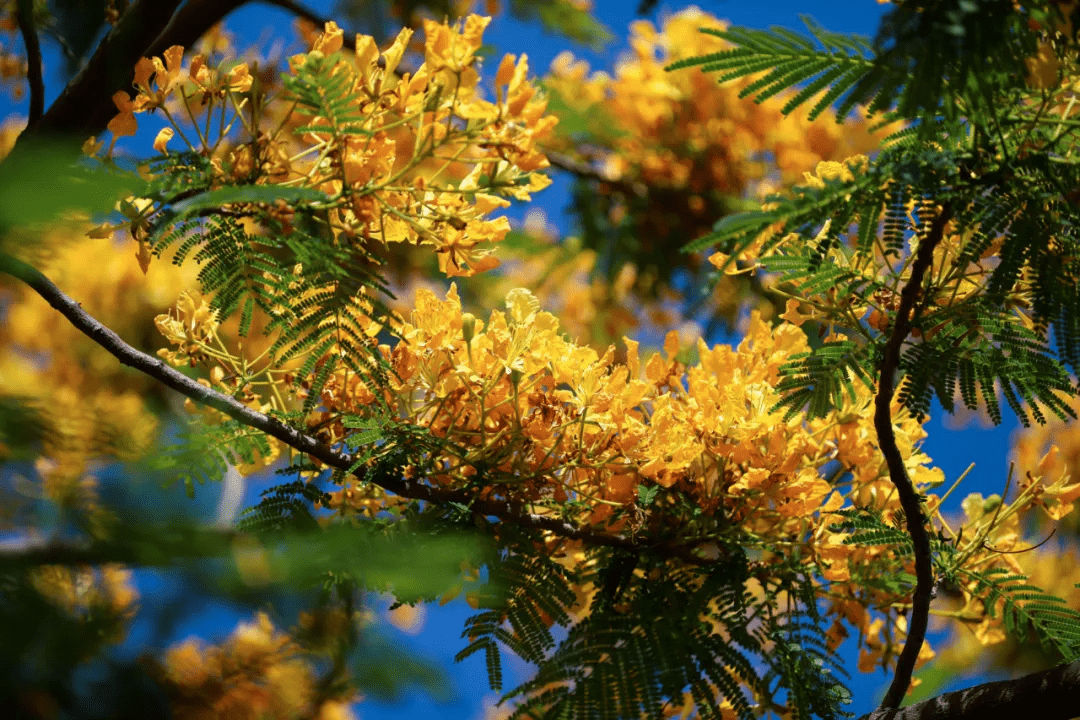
(124, 124)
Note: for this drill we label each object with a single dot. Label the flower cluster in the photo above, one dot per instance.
(684, 130)
(420, 157)
(522, 413)
(101, 593)
(258, 672)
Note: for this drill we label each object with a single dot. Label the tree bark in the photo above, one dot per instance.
(1052, 694)
(905, 490)
(146, 29)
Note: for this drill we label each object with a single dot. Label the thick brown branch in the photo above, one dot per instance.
(85, 106)
(1052, 694)
(191, 22)
(412, 489)
(305, 13)
(33, 60)
(909, 499)
(146, 29)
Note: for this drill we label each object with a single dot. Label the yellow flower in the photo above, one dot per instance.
(835, 554)
(450, 48)
(166, 76)
(124, 124)
(195, 323)
(239, 78)
(187, 664)
(330, 40)
(522, 306)
(793, 315)
(162, 139)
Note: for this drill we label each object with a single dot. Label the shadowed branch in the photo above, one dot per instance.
(414, 489)
(1052, 694)
(909, 499)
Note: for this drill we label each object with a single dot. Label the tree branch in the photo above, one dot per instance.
(191, 22)
(588, 172)
(85, 106)
(305, 13)
(1052, 694)
(33, 60)
(146, 29)
(909, 499)
(414, 489)
(156, 546)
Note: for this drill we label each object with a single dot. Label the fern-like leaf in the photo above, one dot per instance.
(840, 65)
(819, 381)
(1025, 607)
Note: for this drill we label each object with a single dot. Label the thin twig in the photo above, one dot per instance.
(585, 171)
(33, 60)
(909, 499)
(413, 489)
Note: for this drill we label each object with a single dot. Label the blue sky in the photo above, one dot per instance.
(951, 450)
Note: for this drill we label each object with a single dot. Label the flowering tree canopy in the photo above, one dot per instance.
(220, 263)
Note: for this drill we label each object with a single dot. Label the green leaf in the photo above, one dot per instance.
(646, 494)
(44, 181)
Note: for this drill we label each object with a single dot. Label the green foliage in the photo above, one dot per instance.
(205, 452)
(521, 591)
(842, 63)
(954, 61)
(645, 640)
(980, 343)
(1027, 608)
(22, 427)
(283, 508)
(868, 528)
(942, 59)
(1004, 355)
(319, 91)
(802, 664)
(45, 182)
(819, 380)
(652, 632)
(386, 446)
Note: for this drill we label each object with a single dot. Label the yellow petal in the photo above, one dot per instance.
(522, 305)
(162, 139)
(124, 124)
(393, 54)
(174, 56)
(505, 71)
(331, 39)
(144, 255)
(240, 78)
(143, 70)
(671, 344)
